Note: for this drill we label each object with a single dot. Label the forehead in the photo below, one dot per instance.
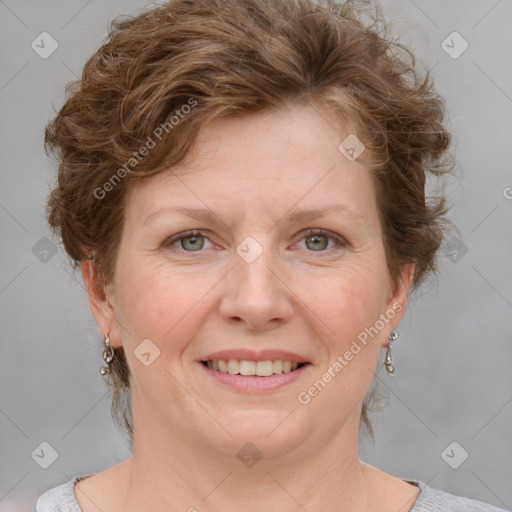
(264, 163)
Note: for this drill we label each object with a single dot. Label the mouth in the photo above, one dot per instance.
(247, 368)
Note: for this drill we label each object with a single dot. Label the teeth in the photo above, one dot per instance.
(247, 367)
(258, 368)
(264, 368)
(233, 367)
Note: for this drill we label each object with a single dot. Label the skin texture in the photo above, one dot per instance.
(251, 172)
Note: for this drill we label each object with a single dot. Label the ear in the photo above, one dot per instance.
(100, 303)
(397, 301)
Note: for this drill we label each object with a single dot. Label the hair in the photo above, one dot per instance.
(197, 60)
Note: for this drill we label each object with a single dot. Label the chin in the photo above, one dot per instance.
(272, 433)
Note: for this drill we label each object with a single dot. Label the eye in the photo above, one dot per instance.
(190, 241)
(318, 240)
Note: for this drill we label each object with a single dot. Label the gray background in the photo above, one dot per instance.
(453, 358)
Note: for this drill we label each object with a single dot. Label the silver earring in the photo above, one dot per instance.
(107, 355)
(388, 362)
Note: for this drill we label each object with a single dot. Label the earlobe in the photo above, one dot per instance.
(99, 303)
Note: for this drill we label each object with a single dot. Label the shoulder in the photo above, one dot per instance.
(435, 500)
(60, 499)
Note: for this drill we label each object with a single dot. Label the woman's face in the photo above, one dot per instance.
(253, 283)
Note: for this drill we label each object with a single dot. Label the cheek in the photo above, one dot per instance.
(345, 315)
(349, 309)
(158, 304)
(171, 305)
(349, 299)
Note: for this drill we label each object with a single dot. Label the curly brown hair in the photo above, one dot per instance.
(229, 57)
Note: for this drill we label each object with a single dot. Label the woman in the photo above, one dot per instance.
(242, 186)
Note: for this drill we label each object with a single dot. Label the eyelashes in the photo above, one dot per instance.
(183, 236)
(318, 235)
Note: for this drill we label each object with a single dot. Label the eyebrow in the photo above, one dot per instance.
(210, 216)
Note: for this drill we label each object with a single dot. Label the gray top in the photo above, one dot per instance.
(62, 499)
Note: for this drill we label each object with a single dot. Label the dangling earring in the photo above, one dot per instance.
(107, 355)
(388, 362)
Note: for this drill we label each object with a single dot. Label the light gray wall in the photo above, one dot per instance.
(453, 359)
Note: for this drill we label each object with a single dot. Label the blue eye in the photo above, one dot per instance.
(320, 239)
(195, 238)
(193, 241)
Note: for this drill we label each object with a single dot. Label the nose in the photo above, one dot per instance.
(256, 293)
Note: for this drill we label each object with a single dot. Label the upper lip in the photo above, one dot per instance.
(252, 355)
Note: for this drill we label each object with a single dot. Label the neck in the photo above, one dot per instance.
(170, 471)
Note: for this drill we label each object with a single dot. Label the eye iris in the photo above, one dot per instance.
(318, 243)
(193, 240)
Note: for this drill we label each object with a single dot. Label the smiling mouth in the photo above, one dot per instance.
(253, 368)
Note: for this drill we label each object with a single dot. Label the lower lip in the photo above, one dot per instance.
(254, 383)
